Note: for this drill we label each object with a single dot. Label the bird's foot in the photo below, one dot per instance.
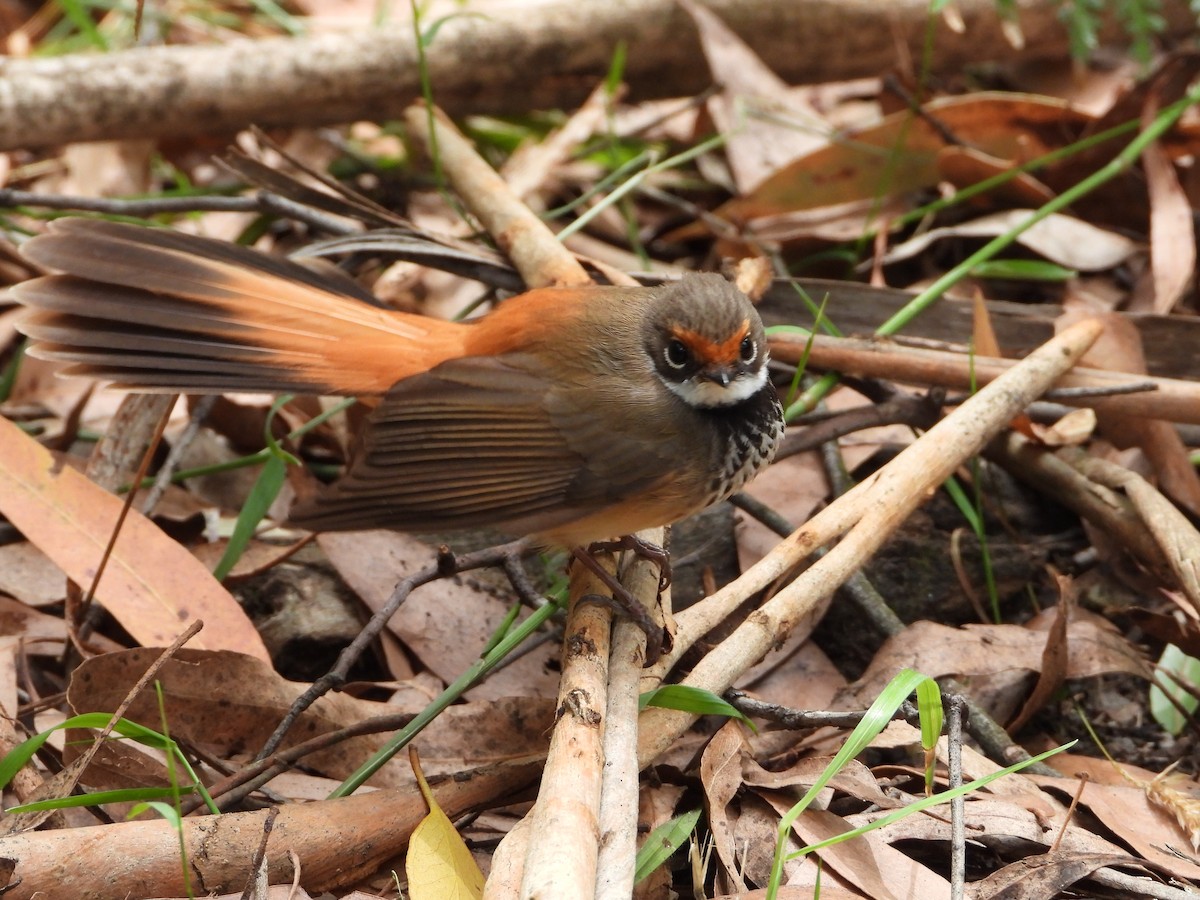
(622, 600)
(645, 549)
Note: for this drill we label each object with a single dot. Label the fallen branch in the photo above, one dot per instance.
(504, 58)
(1170, 399)
(336, 841)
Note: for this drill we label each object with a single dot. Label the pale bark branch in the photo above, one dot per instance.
(1171, 399)
(338, 841)
(515, 56)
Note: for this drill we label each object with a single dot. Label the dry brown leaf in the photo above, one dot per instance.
(983, 334)
(1099, 770)
(1044, 875)
(868, 861)
(1060, 238)
(985, 343)
(757, 145)
(1172, 232)
(990, 821)
(966, 166)
(229, 703)
(1170, 628)
(447, 623)
(256, 559)
(743, 829)
(1119, 348)
(151, 585)
(807, 678)
(981, 651)
(105, 169)
(38, 385)
(1096, 646)
(756, 831)
(1014, 787)
(1055, 656)
(1073, 429)
(1128, 813)
(721, 779)
(42, 634)
(1093, 89)
(10, 646)
(1001, 125)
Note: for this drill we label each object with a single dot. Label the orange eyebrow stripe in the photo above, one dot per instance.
(709, 352)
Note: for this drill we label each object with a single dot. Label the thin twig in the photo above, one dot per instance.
(803, 719)
(992, 737)
(162, 479)
(955, 709)
(336, 677)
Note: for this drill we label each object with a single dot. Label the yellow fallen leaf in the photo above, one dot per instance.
(439, 865)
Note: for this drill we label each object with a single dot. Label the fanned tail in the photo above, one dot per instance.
(152, 309)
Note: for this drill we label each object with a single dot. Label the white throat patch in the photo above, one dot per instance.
(709, 394)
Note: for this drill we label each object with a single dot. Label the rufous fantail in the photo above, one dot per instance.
(570, 414)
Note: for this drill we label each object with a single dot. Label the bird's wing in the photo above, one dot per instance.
(478, 442)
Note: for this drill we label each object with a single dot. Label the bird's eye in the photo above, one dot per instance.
(677, 354)
(748, 349)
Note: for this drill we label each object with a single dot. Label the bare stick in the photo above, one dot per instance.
(561, 861)
(1171, 399)
(532, 247)
(507, 58)
(619, 790)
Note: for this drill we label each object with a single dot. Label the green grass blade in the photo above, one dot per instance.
(661, 844)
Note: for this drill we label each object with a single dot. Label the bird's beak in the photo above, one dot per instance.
(721, 375)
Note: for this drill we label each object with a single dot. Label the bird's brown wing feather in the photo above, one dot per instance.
(474, 443)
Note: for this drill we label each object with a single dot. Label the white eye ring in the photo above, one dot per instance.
(676, 354)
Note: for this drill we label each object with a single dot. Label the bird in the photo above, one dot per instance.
(565, 415)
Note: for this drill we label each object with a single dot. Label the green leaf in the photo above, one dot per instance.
(99, 798)
(928, 802)
(662, 843)
(429, 34)
(8, 377)
(616, 68)
(23, 752)
(929, 706)
(1179, 676)
(692, 700)
(262, 495)
(166, 810)
(79, 14)
(1023, 270)
(874, 720)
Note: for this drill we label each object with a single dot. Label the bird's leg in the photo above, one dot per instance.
(622, 600)
(647, 550)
